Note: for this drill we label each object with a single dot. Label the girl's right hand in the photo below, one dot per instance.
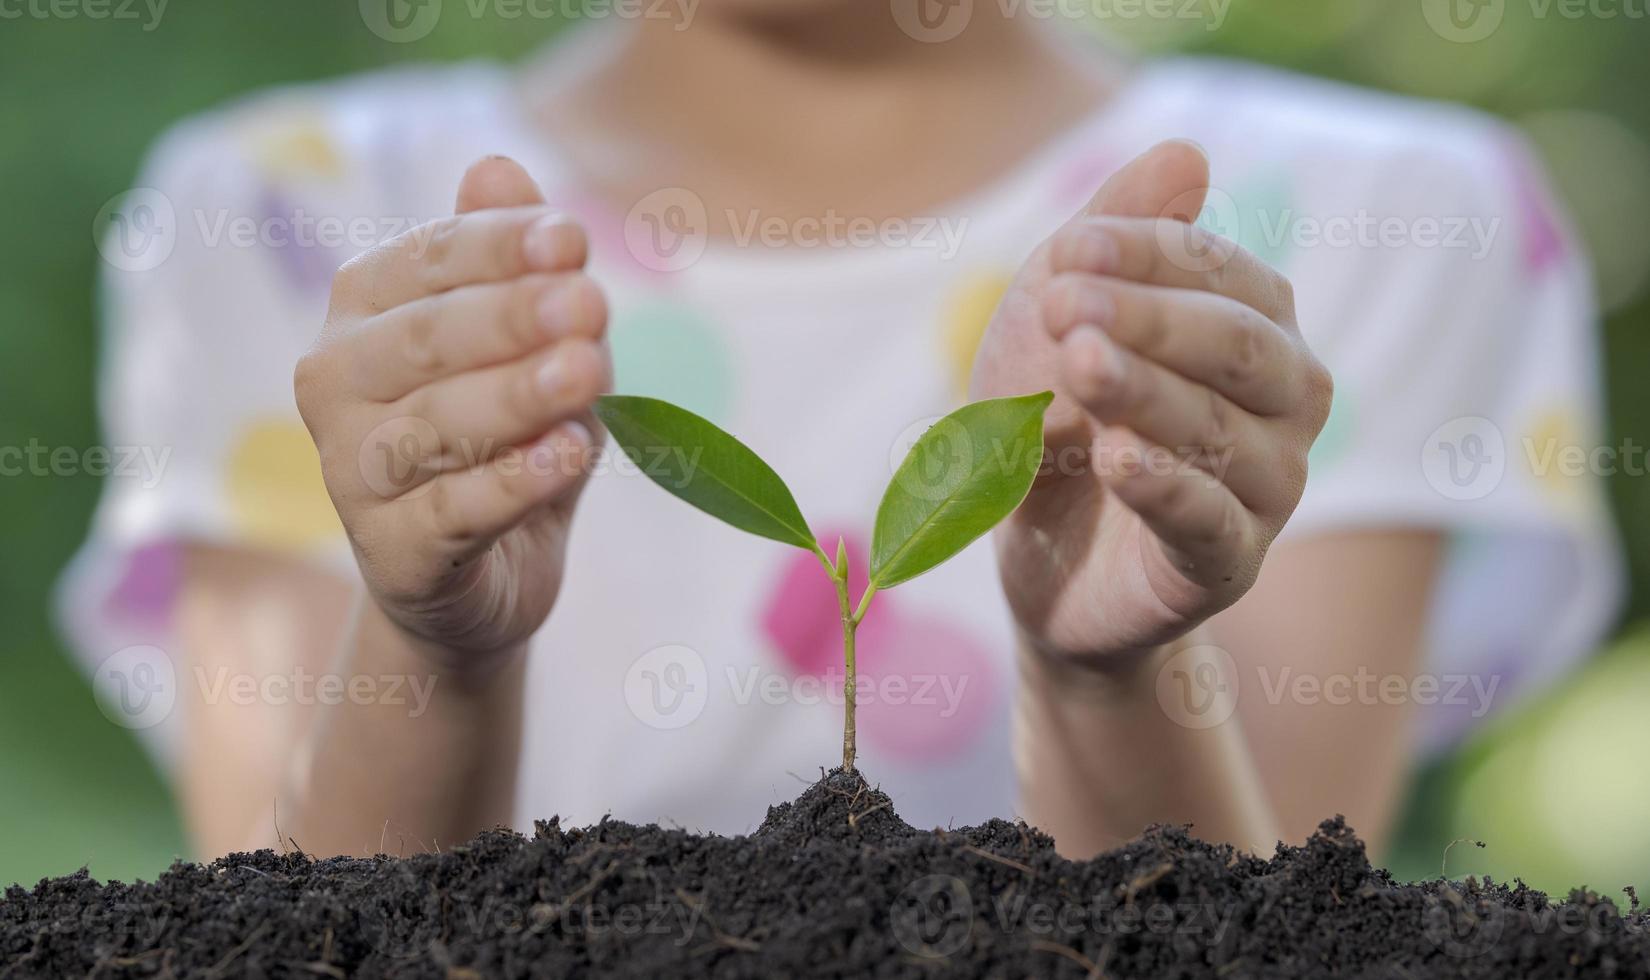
(449, 396)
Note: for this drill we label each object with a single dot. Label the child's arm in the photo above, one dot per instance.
(1188, 401)
(449, 397)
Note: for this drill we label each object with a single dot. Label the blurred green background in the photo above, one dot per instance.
(1559, 790)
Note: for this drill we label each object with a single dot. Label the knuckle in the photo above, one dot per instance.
(420, 342)
(1246, 354)
(586, 369)
(437, 248)
(443, 510)
(1320, 387)
(1221, 423)
(1061, 300)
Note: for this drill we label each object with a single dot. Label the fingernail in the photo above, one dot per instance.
(544, 244)
(558, 308)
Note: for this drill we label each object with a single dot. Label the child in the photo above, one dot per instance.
(821, 231)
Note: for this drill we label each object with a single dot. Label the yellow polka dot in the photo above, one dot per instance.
(967, 313)
(295, 147)
(1557, 455)
(273, 484)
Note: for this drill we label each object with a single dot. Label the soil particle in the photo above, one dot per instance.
(833, 884)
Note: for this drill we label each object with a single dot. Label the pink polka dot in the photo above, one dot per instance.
(148, 586)
(927, 689)
(605, 229)
(802, 618)
(1078, 182)
(1543, 240)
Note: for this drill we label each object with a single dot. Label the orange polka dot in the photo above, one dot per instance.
(274, 488)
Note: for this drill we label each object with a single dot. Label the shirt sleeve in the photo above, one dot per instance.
(1456, 311)
(213, 283)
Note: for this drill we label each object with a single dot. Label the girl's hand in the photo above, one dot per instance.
(449, 396)
(1187, 402)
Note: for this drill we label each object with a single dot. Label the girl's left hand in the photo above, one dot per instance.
(1187, 401)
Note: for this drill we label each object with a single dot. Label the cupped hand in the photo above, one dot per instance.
(1186, 404)
(449, 396)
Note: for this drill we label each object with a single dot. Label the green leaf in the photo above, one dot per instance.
(698, 462)
(966, 473)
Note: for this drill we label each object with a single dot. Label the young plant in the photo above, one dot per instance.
(966, 473)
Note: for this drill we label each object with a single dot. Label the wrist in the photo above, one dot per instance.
(1110, 675)
(393, 647)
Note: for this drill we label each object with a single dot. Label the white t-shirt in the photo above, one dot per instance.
(679, 677)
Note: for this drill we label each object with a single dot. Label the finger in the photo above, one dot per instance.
(496, 182)
(1169, 180)
(1206, 533)
(470, 327)
(483, 246)
(1174, 254)
(1200, 425)
(471, 508)
(478, 414)
(1204, 337)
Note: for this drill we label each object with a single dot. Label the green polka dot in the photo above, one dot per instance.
(1336, 436)
(669, 351)
(1259, 211)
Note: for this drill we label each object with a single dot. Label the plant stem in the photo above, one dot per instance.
(849, 625)
(851, 617)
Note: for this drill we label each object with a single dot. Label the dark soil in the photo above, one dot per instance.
(832, 885)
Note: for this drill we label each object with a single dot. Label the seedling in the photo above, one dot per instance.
(963, 475)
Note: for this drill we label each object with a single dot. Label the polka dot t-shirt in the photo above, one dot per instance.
(691, 673)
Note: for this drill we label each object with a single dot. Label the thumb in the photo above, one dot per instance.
(496, 182)
(1170, 180)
